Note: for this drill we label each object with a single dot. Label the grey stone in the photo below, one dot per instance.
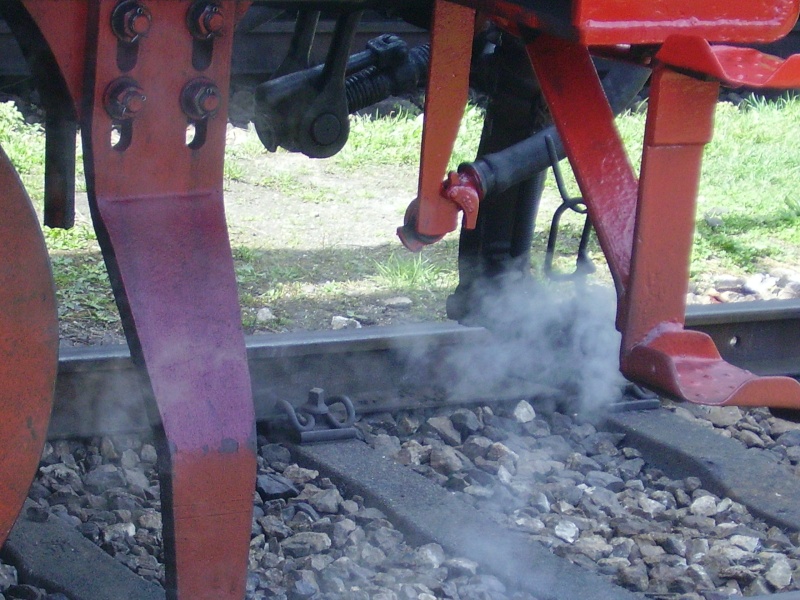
(634, 577)
(465, 421)
(445, 460)
(298, 475)
(305, 543)
(704, 506)
(430, 556)
(524, 412)
(8, 577)
(387, 445)
(566, 530)
(104, 477)
(606, 480)
(593, 546)
(271, 486)
(444, 428)
(476, 446)
(779, 574)
(790, 438)
(338, 322)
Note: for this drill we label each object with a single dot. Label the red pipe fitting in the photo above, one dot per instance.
(462, 189)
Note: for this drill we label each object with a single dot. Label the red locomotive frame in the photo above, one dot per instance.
(157, 205)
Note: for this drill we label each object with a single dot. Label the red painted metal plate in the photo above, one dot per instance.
(157, 204)
(731, 65)
(612, 22)
(28, 344)
(687, 366)
(606, 22)
(160, 203)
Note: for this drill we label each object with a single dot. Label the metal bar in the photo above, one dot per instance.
(98, 391)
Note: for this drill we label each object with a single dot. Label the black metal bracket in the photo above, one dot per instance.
(314, 421)
(583, 264)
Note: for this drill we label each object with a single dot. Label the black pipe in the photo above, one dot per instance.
(501, 170)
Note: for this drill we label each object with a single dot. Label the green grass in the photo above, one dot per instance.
(749, 187)
(395, 141)
(24, 145)
(409, 271)
(749, 182)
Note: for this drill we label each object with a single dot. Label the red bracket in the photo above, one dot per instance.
(157, 206)
(646, 228)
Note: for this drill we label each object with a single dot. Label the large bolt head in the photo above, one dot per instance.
(124, 99)
(326, 129)
(200, 99)
(130, 21)
(206, 20)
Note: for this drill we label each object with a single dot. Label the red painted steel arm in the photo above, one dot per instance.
(585, 124)
(28, 344)
(434, 213)
(157, 206)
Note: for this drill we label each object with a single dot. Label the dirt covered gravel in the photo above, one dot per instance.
(308, 540)
(580, 491)
(591, 498)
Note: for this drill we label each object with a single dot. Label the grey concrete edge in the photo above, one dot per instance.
(726, 467)
(428, 513)
(55, 556)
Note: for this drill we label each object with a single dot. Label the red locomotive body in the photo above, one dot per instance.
(157, 206)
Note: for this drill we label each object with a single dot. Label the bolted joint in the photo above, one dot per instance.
(124, 99)
(200, 99)
(130, 20)
(205, 20)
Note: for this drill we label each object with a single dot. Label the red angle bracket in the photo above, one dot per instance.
(435, 212)
(141, 71)
(646, 228)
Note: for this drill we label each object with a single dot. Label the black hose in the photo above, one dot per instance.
(501, 170)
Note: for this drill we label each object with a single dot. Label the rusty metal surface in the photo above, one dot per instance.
(28, 344)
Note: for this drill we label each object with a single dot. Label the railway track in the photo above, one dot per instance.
(371, 365)
(98, 391)
(99, 394)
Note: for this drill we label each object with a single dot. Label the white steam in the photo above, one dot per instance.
(544, 335)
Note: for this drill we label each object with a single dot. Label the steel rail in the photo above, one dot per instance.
(381, 368)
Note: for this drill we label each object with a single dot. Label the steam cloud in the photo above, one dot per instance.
(544, 335)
